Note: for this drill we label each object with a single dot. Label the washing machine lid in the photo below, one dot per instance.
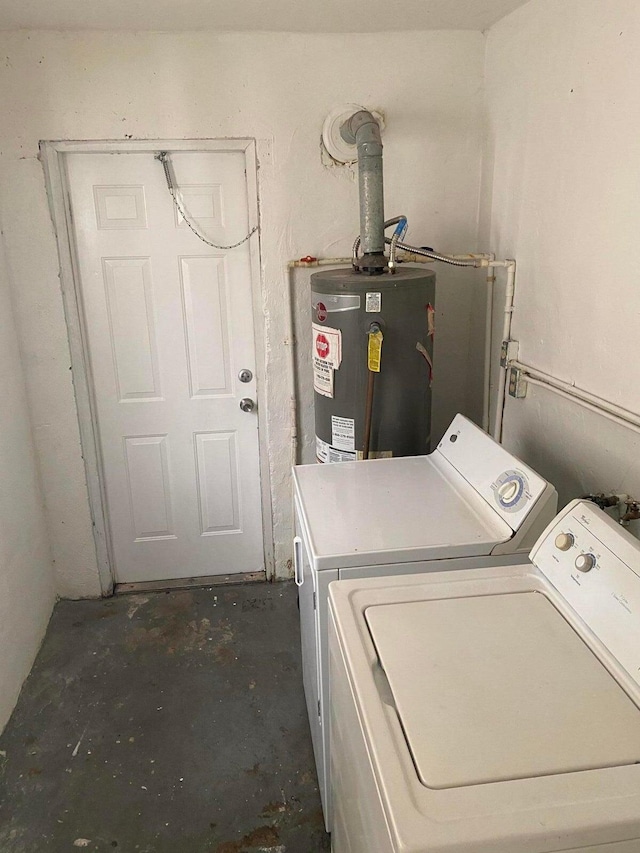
(500, 687)
(393, 510)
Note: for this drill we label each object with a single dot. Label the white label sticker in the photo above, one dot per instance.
(326, 453)
(327, 345)
(322, 377)
(340, 455)
(343, 433)
(322, 450)
(373, 303)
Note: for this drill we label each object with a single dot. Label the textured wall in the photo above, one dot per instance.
(562, 195)
(277, 88)
(26, 572)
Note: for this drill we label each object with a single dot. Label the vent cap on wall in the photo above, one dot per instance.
(341, 151)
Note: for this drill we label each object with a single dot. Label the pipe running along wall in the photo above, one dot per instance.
(611, 411)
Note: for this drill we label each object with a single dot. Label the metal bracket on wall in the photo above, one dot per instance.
(508, 352)
(517, 383)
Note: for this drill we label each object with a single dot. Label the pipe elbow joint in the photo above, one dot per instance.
(361, 127)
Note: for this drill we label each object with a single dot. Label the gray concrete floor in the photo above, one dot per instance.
(164, 723)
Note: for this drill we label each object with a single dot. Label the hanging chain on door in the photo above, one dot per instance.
(163, 157)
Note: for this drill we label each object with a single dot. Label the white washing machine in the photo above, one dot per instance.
(470, 503)
(494, 710)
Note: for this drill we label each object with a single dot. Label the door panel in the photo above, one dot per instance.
(169, 324)
(204, 298)
(218, 482)
(149, 486)
(129, 296)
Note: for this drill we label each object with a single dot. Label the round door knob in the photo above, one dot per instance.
(585, 562)
(564, 541)
(247, 404)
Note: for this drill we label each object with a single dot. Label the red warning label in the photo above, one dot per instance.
(326, 357)
(321, 312)
(327, 345)
(322, 346)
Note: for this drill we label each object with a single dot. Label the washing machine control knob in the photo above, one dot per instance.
(585, 562)
(564, 541)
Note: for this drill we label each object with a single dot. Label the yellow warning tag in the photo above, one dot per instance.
(375, 351)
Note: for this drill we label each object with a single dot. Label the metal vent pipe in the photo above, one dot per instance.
(362, 130)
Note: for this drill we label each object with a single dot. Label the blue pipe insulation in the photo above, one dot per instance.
(401, 228)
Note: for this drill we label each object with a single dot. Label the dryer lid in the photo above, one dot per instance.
(500, 687)
(394, 511)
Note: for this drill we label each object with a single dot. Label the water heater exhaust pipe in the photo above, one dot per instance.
(362, 130)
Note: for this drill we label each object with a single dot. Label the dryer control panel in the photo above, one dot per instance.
(510, 487)
(595, 565)
(511, 490)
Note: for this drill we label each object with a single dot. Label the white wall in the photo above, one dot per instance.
(562, 196)
(275, 87)
(26, 572)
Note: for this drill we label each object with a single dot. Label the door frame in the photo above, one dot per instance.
(52, 156)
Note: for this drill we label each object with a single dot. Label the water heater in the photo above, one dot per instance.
(373, 323)
(372, 363)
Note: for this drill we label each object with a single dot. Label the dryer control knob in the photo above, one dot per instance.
(585, 562)
(564, 541)
(508, 491)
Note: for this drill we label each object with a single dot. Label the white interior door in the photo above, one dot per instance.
(169, 326)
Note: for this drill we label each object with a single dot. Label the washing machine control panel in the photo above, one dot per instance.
(594, 564)
(564, 541)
